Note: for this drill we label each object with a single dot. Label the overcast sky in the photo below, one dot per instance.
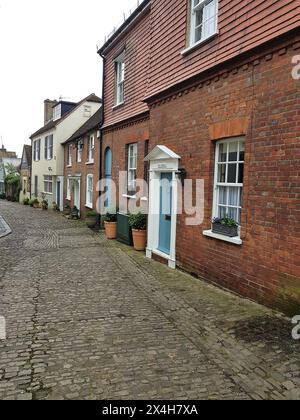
(48, 50)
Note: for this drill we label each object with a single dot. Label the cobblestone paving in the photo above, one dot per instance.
(91, 319)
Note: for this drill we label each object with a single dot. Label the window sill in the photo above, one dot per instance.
(117, 106)
(89, 206)
(236, 240)
(69, 166)
(198, 44)
(129, 196)
(90, 163)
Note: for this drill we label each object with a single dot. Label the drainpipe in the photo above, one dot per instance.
(101, 132)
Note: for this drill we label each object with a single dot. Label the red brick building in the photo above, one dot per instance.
(223, 107)
(82, 165)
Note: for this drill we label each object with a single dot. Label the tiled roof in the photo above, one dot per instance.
(53, 124)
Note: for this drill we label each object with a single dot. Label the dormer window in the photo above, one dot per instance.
(120, 77)
(57, 112)
(203, 22)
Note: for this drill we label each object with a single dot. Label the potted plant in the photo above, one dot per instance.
(75, 213)
(225, 226)
(26, 201)
(34, 202)
(138, 224)
(91, 219)
(45, 205)
(55, 206)
(67, 210)
(110, 225)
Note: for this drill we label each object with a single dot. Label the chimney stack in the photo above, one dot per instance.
(48, 110)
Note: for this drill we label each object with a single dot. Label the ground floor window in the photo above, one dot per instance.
(2, 189)
(132, 168)
(68, 189)
(89, 191)
(48, 184)
(229, 178)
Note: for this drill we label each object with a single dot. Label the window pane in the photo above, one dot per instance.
(222, 212)
(232, 213)
(233, 152)
(198, 34)
(222, 173)
(231, 178)
(199, 17)
(241, 173)
(242, 151)
(233, 196)
(222, 195)
(223, 152)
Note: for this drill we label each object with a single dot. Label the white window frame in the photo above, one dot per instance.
(49, 147)
(79, 151)
(57, 112)
(48, 184)
(132, 169)
(91, 149)
(68, 197)
(120, 79)
(69, 154)
(218, 185)
(194, 9)
(37, 150)
(89, 192)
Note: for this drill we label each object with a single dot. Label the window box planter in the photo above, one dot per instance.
(230, 231)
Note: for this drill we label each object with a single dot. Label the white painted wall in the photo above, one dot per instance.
(61, 133)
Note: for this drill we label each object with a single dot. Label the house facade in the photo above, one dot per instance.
(223, 109)
(82, 165)
(61, 120)
(125, 130)
(25, 173)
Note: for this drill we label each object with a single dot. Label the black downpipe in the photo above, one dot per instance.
(101, 134)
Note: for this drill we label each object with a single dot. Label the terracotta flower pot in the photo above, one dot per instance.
(139, 239)
(110, 230)
(36, 206)
(91, 222)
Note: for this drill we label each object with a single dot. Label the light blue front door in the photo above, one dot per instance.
(164, 243)
(108, 176)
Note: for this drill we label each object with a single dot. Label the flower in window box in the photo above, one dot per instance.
(225, 226)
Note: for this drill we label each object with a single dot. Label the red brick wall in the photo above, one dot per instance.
(119, 139)
(83, 169)
(242, 25)
(261, 100)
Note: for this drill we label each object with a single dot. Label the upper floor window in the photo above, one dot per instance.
(57, 112)
(48, 184)
(37, 150)
(79, 150)
(91, 149)
(69, 157)
(229, 178)
(49, 147)
(89, 191)
(120, 77)
(132, 168)
(203, 23)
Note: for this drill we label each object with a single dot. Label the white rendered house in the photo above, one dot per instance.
(62, 119)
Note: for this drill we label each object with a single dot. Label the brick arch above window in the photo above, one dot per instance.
(229, 128)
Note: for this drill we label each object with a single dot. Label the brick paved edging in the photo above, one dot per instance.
(4, 228)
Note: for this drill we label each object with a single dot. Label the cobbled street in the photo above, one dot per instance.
(92, 319)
